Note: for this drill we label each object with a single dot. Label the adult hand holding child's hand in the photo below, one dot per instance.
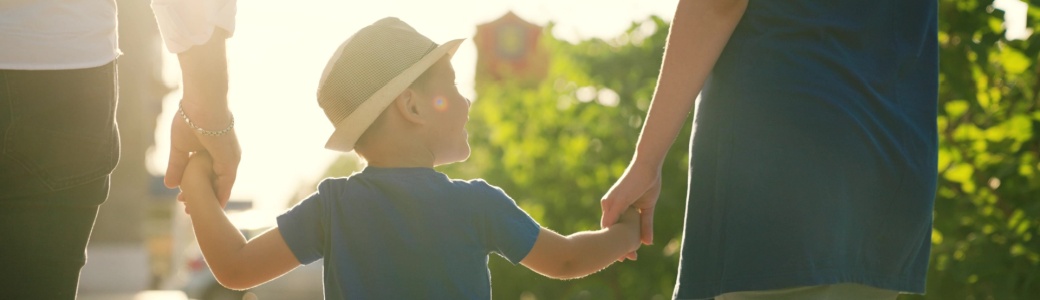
(637, 188)
(204, 122)
(198, 178)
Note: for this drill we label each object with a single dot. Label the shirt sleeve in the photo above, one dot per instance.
(507, 230)
(303, 230)
(186, 23)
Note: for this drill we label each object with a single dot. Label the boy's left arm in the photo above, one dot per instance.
(236, 263)
(583, 253)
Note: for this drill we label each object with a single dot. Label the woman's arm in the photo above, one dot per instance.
(697, 36)
(236, 263)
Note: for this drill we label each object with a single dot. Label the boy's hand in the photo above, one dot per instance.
(198, 178)
(631, 218)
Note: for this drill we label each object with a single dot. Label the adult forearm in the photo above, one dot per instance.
(205, 76)
(699, 32)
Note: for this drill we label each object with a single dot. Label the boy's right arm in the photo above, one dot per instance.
(583, 253)
(236, 263)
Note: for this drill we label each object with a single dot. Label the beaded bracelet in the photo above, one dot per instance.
(180, 110)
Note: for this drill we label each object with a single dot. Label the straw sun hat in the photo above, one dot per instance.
(368, 71)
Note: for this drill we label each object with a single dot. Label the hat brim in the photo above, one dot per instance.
(350, 128)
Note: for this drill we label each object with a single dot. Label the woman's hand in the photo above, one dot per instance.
(638, 188)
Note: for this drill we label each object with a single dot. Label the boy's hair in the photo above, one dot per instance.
(368, 71)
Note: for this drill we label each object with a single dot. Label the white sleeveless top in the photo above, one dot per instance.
(74, 34)
(57, 34)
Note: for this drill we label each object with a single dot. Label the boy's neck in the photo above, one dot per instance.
(398, 153)
(397, 164)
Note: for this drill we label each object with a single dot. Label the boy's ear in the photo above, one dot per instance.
(407, 104)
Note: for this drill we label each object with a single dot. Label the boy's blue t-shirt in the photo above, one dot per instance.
(407, 233)
(814, 153)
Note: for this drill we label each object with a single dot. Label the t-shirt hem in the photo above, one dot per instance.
(55, 66)
(710, 289)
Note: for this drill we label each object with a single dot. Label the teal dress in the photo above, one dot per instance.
(813, 157)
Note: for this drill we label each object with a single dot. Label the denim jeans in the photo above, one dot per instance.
(58, 146)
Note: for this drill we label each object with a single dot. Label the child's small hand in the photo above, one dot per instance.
(630, 218)
(197, 180)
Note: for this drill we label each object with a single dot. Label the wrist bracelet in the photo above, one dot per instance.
(180, 109)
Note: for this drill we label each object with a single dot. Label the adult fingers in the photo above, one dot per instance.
(226, 154)
(613, 207)
(222, 184)
(647, 204)
(175, 167)
(226, 158)
(615, 202)
(646, 225)
(182, 143)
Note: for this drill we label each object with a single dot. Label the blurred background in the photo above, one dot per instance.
(560, 89)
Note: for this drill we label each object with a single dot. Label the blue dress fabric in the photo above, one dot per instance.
(813, 156)
(407, 233)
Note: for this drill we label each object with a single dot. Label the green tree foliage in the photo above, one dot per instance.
(557, 146)
(986, 239)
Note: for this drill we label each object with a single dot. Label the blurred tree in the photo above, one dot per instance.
(557, 147)
(987, 222)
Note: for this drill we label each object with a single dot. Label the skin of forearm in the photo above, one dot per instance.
(592, 251)
(205, 76)
(219, 240)
(699, 32)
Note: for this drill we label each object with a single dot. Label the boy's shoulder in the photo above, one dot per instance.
(408, 179)
(465, 195)
(484, 193)
(477, 184)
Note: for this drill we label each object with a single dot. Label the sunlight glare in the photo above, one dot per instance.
(439, 104)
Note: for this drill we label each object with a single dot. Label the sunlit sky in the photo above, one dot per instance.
(280, 48)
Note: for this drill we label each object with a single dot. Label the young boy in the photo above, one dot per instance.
(398, 229)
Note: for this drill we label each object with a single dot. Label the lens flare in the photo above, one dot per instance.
(440, 104)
